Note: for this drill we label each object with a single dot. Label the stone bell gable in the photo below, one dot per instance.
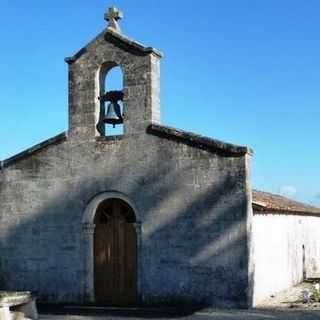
(164, 213)
(141, 83)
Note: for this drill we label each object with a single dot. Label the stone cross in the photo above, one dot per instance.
(112, 16)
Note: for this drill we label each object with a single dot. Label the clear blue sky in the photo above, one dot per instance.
(246, 72)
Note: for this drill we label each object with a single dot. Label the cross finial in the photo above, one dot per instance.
(112, 16)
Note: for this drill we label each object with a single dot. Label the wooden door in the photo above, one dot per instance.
(115, 248)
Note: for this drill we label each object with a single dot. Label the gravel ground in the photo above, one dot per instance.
(286, 305)
(205, 315)
(179, 314)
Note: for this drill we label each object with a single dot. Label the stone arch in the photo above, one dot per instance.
(88, 229)
(104, 70)
(91, 208)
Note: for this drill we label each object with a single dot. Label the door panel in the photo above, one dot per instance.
(115, 248)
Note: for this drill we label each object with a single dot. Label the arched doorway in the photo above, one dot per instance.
(115, 254)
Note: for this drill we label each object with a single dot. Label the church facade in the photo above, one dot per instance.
(151, 216)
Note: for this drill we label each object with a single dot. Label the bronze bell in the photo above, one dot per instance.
(113, 115)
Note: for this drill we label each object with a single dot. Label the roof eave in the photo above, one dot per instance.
(267, 210)
(21, 155)
(198, 141)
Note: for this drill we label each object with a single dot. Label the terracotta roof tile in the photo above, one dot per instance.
(265, 201)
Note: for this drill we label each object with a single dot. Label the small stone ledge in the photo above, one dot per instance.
(54, 140)
(13, 298)
(70, 60)
(198, 141)
(109, 138)
(18, 305)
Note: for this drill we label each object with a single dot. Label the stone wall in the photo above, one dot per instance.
(191, 194)
(279, 240)
(191, 203)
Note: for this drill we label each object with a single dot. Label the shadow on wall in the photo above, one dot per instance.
(194, 247)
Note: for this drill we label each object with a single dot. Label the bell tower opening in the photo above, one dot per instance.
(111, 101)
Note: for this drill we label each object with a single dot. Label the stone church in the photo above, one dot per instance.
(152, 216)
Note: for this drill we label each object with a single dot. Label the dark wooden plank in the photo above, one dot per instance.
(131, 263)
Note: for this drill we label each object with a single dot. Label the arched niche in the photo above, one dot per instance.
(91, 218)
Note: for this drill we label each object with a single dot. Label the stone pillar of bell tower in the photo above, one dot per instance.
(142, 95)
(141, 82)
